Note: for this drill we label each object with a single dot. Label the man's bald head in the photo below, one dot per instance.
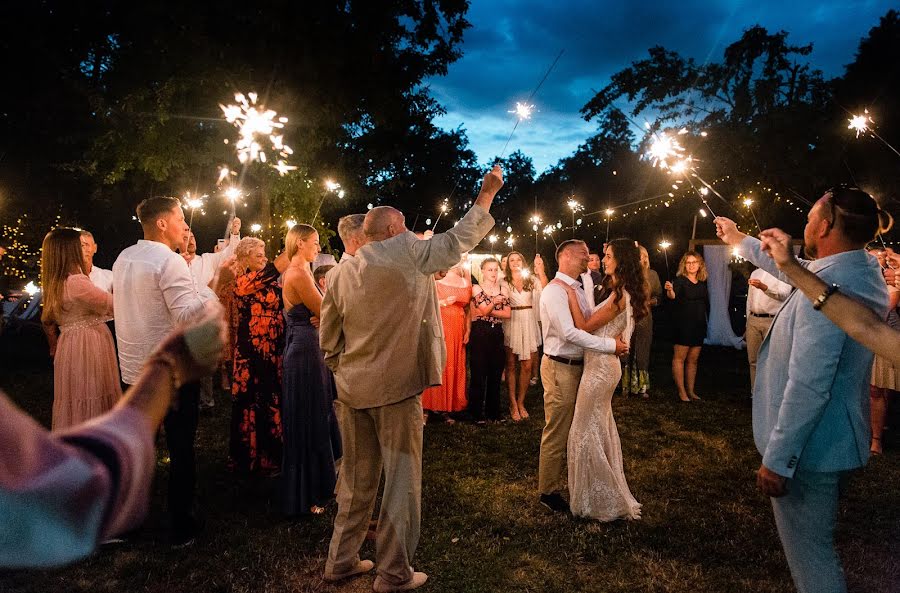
(383, 222)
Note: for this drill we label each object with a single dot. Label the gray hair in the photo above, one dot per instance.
(350, 225)
(247, 245)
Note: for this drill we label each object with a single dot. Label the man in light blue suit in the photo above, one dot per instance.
(811, 398)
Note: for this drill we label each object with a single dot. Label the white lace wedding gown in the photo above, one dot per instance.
(597, 486)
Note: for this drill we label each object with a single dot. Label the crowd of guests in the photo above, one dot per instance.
(285, 417)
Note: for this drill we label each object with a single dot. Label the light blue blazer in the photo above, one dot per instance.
(811, 397)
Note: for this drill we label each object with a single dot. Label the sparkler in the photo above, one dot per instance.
(609, 213)
(330, 187)
(193, 204)
(257, 125)
(749, 204)
(31, 289)
(575, 206)
(549, 230)
(444, 208)
(290, 223)
(665, 247)
(524, 109)
(863, 124)
(535, 226)
(255, 227)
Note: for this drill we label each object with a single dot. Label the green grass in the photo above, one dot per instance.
(705, 528)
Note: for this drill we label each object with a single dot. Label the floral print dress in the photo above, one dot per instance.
(256, 435)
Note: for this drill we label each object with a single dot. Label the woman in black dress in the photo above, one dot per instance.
(312, 442)
(691, 307)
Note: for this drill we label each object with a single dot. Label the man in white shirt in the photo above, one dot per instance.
(350, 230)
(153, 292)
(765, 295)
(561, 366)
(101, 278)
(204, 267)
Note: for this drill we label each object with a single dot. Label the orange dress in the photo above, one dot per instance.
(86, 380)
(450, 396)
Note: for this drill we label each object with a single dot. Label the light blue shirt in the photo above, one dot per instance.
(811, 397)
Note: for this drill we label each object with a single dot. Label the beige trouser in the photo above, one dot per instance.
(560, 388)
(757, 327)
(392, 436)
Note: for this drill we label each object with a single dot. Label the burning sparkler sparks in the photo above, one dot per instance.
(257, 126)
(863, 124)
(860, 123)
(444, 208)
(523, 110)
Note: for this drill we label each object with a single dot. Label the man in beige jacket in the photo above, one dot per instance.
(382, 336)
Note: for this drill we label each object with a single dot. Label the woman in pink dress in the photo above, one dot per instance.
(85, 371)
(454, 290)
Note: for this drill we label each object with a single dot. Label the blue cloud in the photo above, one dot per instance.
(512, 42)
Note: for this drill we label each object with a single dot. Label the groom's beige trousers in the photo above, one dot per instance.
(560, 388)
(390, 435)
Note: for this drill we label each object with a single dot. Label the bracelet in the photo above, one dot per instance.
(167, 360)
(820, 300)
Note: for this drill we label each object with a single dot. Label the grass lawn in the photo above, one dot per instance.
(705, 527)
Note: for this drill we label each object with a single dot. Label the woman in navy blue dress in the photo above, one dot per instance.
(312, 441)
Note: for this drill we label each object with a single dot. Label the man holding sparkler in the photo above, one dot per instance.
(810, 399)
(382, 335)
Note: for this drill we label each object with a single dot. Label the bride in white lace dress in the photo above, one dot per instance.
(597, 486)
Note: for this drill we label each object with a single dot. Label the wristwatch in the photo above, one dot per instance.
(820, 300)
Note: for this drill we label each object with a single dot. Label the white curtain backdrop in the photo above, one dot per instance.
(718, 329)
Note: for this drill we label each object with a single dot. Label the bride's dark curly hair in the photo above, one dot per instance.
(629, 276)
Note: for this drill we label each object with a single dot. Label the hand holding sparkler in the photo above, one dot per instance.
(236, 226)
(727, 230)
(490, 185)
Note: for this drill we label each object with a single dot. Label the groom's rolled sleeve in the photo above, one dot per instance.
(815, 352)
(557, 307)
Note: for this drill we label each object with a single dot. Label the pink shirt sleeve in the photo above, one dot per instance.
(67, 491)
(80, 288)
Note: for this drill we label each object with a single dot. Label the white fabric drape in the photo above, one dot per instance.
(718, 328)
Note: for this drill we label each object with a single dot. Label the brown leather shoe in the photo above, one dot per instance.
(418, 579)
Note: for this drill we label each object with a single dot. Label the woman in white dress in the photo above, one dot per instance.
(597, 486)
(521, 332)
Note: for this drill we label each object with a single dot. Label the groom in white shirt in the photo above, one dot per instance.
(561, 366)
(153, 292)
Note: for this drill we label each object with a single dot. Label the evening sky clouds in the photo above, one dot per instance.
(512, 42)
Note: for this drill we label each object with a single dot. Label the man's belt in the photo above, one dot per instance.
(762, 314)
(520, 307)
(567, 361)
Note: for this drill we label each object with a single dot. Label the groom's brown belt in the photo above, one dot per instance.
(567, 361)
(520, 307)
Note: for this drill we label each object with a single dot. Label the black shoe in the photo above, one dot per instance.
(555, 502)
(186, 535)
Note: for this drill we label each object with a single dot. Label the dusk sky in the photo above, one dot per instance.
(512, 42)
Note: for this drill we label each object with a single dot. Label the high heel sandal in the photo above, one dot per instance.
(523, 413)
(514, 414)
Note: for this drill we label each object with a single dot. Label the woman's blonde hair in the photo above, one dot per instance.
(61, 255)
(247, 245)
(299, 232)
(701, 272)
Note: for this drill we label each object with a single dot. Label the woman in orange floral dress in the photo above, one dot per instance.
(256, 438)
(454, 291)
